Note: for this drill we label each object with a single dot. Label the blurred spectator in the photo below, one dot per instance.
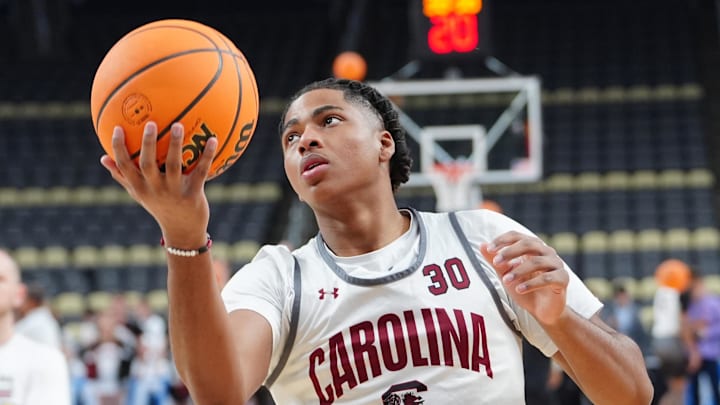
(36, 321)
(150, 372)
(30, 373)
(622, 314)
(669, 338)
(107, 364)
(153, 328)
(703, 321)
(124, 324)
(77, 336)
(668, 345)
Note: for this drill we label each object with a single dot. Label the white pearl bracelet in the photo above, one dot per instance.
(185, 252)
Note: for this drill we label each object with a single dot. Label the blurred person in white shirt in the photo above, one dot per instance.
(30, 373)
(669, 336)
(36, 320)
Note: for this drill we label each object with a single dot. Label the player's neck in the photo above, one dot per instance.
(363, 230)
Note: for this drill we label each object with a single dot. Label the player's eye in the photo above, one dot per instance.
(291, 137)
(330, 120)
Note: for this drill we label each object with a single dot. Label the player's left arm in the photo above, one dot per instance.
(605, 364)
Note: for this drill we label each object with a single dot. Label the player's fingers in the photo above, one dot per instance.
(148, 153)
(200, 172)
(111, 167)
(556, 281)
(489, 255)
(173, 161)
(525, 245)
(526, 267)
(507, 238)
(123, 162)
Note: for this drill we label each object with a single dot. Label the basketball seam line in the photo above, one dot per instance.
(192, 104)
(154, 63)
(238, 109)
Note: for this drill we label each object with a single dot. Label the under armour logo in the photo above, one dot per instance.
(323, 293)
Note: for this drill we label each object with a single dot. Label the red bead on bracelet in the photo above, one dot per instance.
(184, 252)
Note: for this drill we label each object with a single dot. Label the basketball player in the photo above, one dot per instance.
(384, 305)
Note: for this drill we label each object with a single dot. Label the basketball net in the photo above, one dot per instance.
(452, 182)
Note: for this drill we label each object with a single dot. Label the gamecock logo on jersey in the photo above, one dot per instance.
(404, 393)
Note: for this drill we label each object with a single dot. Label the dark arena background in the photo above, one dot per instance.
(630, 102)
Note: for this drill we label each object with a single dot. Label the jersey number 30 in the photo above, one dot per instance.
(453, 270)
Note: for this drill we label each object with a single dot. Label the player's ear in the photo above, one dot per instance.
(387, 146)
(20, 296)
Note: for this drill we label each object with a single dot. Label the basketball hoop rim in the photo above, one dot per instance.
(452, 171)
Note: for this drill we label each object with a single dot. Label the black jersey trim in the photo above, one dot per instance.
(294, 316)
(482, 270)
(368, 282)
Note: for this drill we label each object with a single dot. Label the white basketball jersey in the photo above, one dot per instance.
(429, 334)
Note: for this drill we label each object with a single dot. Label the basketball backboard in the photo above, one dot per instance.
(508, 108)
(494, 124)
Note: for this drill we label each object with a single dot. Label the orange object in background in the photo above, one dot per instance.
(491, 205)
(349, 65)
(673, 273)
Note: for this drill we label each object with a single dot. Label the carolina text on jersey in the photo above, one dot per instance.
(394, 341)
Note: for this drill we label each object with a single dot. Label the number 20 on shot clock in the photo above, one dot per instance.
(451, 29)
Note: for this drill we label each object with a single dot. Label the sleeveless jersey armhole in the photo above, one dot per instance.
(482, 272)
(292, 331)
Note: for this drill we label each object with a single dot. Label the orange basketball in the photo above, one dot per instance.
(349, 65)
(673, 273)
(491, 205)
(177, 71)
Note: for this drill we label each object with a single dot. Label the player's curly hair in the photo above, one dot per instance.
(368, 97)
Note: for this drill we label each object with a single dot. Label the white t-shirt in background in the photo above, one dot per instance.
(32, 374)
(41, 326)
(666, 313)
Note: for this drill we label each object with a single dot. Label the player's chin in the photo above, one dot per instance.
(300, 188)
(320, 194)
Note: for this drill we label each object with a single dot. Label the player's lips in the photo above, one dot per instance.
(311, 161)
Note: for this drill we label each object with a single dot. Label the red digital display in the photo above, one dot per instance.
(451, 26)
(454, 25)
(453, 33)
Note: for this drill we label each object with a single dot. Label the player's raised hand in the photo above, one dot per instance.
(176, 201)
(531, 272)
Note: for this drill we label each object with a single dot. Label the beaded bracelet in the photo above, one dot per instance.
(184, 252)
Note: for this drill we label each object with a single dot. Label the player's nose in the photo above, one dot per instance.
(309, 140)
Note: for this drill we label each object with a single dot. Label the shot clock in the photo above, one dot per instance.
(451, 28)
